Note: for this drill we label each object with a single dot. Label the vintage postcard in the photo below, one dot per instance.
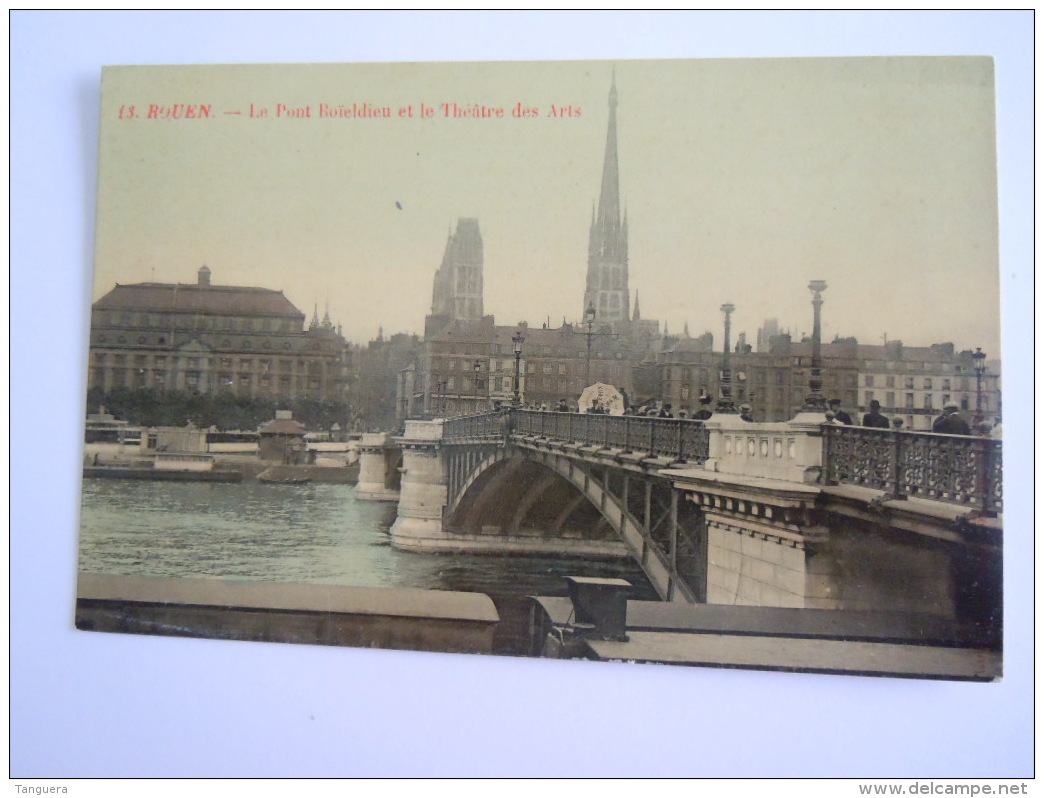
(691, 362)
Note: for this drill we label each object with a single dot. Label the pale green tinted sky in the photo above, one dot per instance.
(742, 179)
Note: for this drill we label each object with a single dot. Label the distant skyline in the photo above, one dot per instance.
(742, 180)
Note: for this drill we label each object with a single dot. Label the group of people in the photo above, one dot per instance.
(949, 423)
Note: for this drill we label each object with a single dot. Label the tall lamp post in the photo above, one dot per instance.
(815, 402)
(478, 368)
(725, 404)
(980, 369)
(589, 317)
(590, 334)
(517, 340)
(440, 406)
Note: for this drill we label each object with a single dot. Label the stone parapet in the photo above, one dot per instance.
(791, 450)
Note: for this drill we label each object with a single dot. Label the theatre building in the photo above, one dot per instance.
(208, 339)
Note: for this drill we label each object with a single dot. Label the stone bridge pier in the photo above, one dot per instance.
(379, 462)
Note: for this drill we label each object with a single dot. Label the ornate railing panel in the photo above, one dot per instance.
(677, 438)
(958, 469)
(483, 425)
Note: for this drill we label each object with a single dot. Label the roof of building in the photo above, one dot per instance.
(195, 298)
(283, 426)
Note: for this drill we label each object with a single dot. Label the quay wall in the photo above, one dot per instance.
(404, 619)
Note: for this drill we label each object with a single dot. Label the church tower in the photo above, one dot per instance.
(457, 293)
(607, 290)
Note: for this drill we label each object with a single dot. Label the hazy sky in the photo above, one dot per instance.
(742, 180)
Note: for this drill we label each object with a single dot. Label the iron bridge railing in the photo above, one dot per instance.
(484, 426)
(679, 439)
(958, 469)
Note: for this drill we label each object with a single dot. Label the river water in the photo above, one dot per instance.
(311, 533)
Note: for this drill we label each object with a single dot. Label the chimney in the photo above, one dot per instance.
(203, 276)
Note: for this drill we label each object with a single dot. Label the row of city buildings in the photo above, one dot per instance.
(254, 343)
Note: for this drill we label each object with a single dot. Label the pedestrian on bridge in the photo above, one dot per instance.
(839, 415)
(705, 411)
(875, 418)
(950, 423)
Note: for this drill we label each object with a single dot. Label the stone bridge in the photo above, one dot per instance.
(789, 514)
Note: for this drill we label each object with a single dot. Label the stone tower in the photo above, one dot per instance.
(457, 294)
(607, 288)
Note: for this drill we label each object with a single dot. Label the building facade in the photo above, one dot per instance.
(911, 383)
(208, 339)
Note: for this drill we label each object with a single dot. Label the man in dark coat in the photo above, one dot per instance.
(705, 411)
(839, 415)
(875, 418)
(949, 423)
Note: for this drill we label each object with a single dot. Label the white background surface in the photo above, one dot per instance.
(119, 705)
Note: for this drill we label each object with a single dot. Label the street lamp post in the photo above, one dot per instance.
(590, 334)
(815, 401)
(440, 405)
(725, 403)
(478, 368)
(980, 369)
(518, 340)
(589, 317)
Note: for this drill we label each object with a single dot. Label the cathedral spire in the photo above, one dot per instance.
(606, 287)
(637, 313)
(609, 199)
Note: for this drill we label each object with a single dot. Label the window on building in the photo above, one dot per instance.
(869, 398)
(964, 403)
(889, 381)
(927, 401)
(946, 384)
(561, 368)
(890, 399)
(868, 381)
(910, 400)
(927, 383)
(908, 383)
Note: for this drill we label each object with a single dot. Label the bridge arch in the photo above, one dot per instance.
(506, 485)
